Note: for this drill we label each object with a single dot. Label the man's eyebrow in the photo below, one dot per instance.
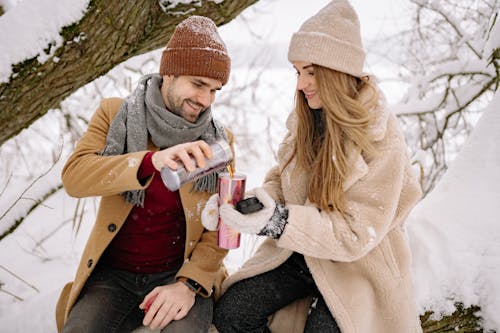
(206, 84)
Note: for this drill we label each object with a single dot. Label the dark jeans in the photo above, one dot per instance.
(247, 304)
(110, 300)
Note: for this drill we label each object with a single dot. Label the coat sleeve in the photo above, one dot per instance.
(272, 184)
(88, 173)
(272, 180)
(205, 264)
(372, 206)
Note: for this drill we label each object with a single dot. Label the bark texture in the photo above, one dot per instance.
(463, 320)
(108, 34)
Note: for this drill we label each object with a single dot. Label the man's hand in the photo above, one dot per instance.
(183, 153)
(169, 302)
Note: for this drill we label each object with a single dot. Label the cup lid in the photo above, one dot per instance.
(236, 175)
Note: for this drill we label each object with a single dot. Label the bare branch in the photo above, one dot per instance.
(20, 278)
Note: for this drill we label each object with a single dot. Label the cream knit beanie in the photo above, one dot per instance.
(331, 38)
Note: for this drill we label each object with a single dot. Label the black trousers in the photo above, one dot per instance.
(246, 305)
(109, 303)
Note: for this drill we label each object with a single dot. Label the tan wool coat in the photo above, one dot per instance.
(361, 265)
(87, 173)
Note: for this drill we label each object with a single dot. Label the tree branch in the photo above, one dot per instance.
(109, 33)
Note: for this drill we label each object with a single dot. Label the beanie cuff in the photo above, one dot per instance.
(206, 62)
(324, 50)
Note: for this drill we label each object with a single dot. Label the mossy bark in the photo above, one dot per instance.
(108, 34)
(463, 320)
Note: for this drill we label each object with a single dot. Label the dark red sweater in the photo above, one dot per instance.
(152, 238)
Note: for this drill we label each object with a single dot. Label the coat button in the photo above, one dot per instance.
(112, 227)
(89, 263)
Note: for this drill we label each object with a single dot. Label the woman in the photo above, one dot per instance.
(336, 258)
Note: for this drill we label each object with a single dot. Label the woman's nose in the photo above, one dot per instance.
(301, 83)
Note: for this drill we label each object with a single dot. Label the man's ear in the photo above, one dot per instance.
(167, 79)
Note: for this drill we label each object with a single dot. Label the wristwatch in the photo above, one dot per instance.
(191, 284)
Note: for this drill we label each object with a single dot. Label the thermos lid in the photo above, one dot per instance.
(226, 148)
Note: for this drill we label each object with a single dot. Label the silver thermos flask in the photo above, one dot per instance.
(221, 156)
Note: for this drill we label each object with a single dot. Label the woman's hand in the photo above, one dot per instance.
(250, 223)
(210, 214)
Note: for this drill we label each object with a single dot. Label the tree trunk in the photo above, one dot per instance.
(108, 34)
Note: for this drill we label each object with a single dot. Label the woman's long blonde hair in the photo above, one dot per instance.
(344, 119)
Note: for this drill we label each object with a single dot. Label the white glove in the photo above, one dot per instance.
(210, 214)
(251, 223)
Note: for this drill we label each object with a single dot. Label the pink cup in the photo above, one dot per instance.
(231, 190)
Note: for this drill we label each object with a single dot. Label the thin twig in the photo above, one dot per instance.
(6, 184)
(19, 278)
(31, 185)
(11, 294)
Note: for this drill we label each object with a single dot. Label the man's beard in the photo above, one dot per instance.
(177, 109)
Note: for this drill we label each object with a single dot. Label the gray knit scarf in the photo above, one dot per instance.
(142, 115)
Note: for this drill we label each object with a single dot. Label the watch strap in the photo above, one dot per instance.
(191, 284)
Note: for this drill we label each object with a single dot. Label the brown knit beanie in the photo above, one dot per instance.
(331, 38)
(196, 49)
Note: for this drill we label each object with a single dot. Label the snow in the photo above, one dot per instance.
(20, 41)
(453, 232)
(168, 5)
(202, 26)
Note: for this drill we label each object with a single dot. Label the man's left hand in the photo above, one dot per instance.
(170, 302)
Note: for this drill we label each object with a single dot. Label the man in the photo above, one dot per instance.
(148, 259)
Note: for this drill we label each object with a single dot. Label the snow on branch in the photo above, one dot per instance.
(451, 64)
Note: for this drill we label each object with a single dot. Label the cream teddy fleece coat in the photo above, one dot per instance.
(361, 265)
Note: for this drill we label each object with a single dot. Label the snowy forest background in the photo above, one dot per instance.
(438, 63)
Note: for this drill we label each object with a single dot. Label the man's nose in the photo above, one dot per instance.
(204, 98)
